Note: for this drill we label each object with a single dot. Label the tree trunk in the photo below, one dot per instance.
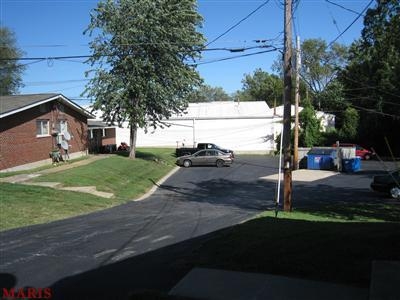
(133, 137)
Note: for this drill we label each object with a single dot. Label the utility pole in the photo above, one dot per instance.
(287, 103)
(296, 107)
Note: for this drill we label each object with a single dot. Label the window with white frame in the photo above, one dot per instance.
(42, 128)
(62, 126)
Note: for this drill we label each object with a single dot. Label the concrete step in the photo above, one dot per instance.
(214, 284)
(385, 280)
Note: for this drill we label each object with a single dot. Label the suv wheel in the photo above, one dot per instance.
(395, 192)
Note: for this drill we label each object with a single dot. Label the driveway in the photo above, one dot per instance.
(190, 203)
(132, 245)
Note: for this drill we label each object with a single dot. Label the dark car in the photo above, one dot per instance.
(210, 157)
(388, 184)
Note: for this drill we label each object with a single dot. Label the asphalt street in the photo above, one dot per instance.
(130, 246)
(191, 203)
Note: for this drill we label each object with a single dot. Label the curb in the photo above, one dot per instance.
(157, 185)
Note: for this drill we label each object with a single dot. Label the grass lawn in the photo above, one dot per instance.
(125, 178)
(22, 205)
(301, 245)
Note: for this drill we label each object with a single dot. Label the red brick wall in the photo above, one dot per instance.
(19, 143)
(109, 139)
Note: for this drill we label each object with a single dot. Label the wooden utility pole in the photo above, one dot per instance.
(296, 107)
(287, 103)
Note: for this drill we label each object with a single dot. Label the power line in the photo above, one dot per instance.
(375, 111)
(333, 19)
(38, 83)
(370, 87)
(345, 8)
(21, 65)
(351, 24)
(50, 58)
(233, 57)
(238, 23)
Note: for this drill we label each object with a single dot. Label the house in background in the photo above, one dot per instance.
(32, 126)
(101, 137)
(250, 126)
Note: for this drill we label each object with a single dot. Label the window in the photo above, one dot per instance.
(42, 128)
(62, 126)
(202, 153)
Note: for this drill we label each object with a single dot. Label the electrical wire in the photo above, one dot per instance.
(233, 57)
(375, 111)
(69, 57)
(238, 23)
(351, 24)
(345, 8)
(20, 65)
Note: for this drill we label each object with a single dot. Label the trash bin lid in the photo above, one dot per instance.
(321, 151)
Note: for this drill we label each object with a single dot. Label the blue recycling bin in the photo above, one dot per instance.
(321, 158)
(350, 165)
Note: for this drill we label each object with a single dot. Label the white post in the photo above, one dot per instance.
(280, 169)
(194, 134)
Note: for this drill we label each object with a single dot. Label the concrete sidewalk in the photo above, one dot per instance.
(220, 285)
(212, 284)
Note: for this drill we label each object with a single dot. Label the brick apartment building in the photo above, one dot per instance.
(31, 126)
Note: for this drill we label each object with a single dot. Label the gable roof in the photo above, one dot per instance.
(10, 105)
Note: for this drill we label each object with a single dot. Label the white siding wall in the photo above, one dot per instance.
(247, 127)
(247, 135)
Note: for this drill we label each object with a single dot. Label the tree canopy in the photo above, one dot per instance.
(10, 70)
(320, 62)
(310, 133)
(372, 78)
(261, 86)
(141, 60)
(207, 93)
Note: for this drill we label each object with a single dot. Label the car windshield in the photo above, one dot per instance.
(214, 146)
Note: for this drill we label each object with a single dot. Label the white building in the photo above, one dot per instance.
(240, 126)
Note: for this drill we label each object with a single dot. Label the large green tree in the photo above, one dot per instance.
(142, 51)
(10, 70)
(310, 126)
(207, 93)
(261, 86)
(320, 64)
(372, 77)
(349, 127)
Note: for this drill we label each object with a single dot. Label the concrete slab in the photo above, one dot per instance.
(88, 189)
(19, 178)
(305, 175)
(201, 283)
(385, 280)
(49, 184)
